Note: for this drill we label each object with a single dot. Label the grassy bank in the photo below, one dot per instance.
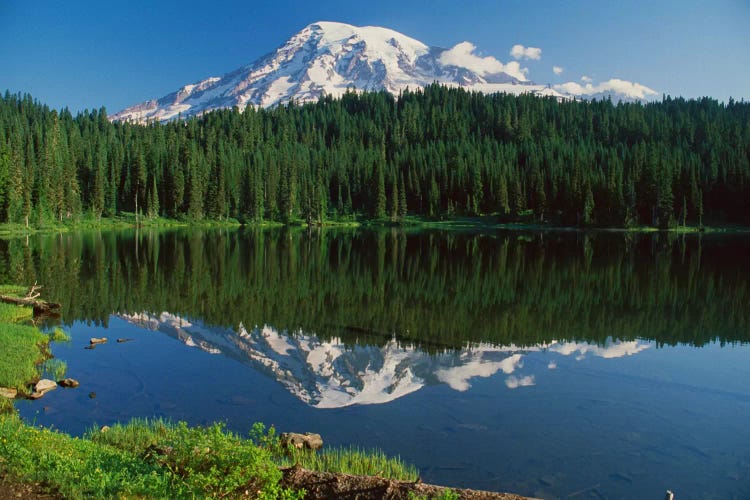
(146, 458)
(23, 346)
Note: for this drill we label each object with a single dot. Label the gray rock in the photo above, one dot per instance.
(45, 385)
(69, 382)
(8, 392)
(307, 440)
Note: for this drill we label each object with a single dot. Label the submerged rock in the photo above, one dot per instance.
(8, 392)
(69, 382)
(122, 341)
(307, 440)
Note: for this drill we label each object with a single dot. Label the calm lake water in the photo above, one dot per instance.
(556, 365)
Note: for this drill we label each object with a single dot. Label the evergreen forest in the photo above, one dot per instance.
(435, 153)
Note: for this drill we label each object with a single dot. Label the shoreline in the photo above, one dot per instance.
(408, 223)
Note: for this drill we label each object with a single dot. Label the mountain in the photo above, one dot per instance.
(330, 374)
(327, 58)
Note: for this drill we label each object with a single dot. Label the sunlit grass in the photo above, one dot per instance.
(59, 335)
(20, 347)
(353, 460)
(151, 459)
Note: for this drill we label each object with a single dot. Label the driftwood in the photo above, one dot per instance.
(40, 307)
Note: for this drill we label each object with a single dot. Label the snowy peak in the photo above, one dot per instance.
(328, 58)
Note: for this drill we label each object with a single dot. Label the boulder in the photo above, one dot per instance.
(8, 392)
(69, 382)
(308, 440)
(45, 385)
(97, 340)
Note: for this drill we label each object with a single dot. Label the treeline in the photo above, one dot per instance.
(437, 290)
(437, 152)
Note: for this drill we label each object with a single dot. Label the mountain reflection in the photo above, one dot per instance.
(333, 374)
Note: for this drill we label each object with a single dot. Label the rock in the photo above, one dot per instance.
(307, 440)
(104, 428)
(69, 382)
(8, 392)
(36, 395)
(45, 385)
(92, 395)
(122, 341)
(97, 340)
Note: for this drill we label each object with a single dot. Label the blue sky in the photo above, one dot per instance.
(87, 54)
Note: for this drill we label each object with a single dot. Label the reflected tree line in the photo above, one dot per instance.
(435, 289)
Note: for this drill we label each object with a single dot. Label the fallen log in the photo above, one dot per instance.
(40, 307)
(323, 485)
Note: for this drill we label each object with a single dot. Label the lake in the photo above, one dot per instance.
(552, 364)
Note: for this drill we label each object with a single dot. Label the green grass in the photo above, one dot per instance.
(59, 335)
(166, 461)
(22, 346)
(13, 290)
(54, 369)
(22, 350)
(159, 459)
(353, 460)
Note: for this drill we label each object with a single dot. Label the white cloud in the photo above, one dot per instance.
(520, 52)
(557, 70)
(586, 79)
(625, 88)
(610, 350)
(457, 377)
(514, 382)
(463, 56)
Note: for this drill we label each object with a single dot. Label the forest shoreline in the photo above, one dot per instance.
(488, 222)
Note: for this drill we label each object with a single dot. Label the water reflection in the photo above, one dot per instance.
(435, 290)
(329, 373)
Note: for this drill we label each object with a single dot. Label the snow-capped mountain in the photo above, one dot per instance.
(331, 374)
(329, 58)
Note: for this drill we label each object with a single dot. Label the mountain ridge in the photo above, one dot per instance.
(329, 58)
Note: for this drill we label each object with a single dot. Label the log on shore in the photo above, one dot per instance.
(324, 485)
(40, 307)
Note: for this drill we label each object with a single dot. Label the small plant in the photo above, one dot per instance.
(59, 335)
(54, 368)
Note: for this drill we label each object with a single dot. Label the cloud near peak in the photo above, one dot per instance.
(463, 56)
(518, 51)
(628, 89)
